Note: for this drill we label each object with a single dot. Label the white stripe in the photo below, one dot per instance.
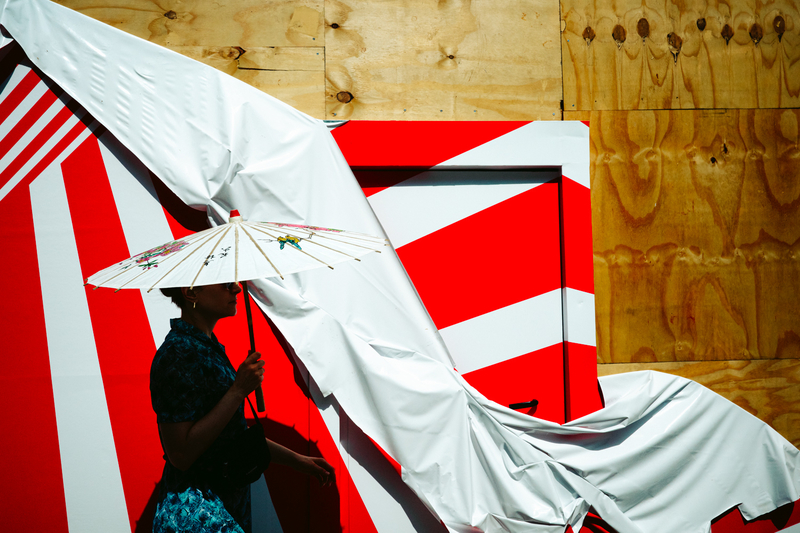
(538, 144)
(791, 529)
(579, 320)
(45, 150)
(434, 199)
(24, 106)
(387, 514)
(143, 222)
(92, 483)
(506, 333)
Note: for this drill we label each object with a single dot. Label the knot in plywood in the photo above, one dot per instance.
(171, 15)
(589, 35)
(643, 28)
(701, 24)
(727, 33)
(619, 34)
(675, 42)
(335, 26)
(344, 97)
(779, 25)
(756, 33)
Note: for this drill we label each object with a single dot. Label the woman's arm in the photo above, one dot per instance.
(312, 466)
(185, 442)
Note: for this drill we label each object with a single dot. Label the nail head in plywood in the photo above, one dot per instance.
(443, 61)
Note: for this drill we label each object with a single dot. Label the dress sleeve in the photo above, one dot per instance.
(176, 385)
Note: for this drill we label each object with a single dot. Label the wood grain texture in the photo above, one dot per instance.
(768, 389)
(680, 55)
(245, 23)
(696, 230)
(445, 60)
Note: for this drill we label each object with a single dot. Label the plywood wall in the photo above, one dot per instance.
(694, 136)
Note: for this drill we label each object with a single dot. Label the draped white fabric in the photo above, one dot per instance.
(664, 455)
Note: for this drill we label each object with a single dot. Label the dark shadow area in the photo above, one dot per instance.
(12, 55)
(410, 177)
(189, 218)
(291, 491)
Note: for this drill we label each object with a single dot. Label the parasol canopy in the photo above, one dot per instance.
(237, 251)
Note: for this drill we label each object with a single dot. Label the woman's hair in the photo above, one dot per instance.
(174, 294)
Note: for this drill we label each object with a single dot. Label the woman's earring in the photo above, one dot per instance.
(194, 305)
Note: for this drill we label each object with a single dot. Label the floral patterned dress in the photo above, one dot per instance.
(189, 375)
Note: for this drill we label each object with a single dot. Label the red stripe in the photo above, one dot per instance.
(30, 150)
(25, 123)
(537, 375)
(414, 143)
(33, 498)
(500, 256)
(18, 94)
(122, 332)
(578, 254)
(583, 392)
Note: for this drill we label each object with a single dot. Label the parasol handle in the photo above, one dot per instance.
(259, 391)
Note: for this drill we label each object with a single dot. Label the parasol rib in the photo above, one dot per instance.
(202, 266)
(302, 251)
(184, 258)
(262, 251)
(348, 235)
(124, 270)
(236, 254)
(312, 242)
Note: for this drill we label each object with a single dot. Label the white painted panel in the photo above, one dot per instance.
(143, 222)
(579, 320)
(433, 200)
(506, 333)
(92, 484)
(45, 149)
(538, 144)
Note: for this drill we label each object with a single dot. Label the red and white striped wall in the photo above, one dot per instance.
(492, 221)
(80, 445)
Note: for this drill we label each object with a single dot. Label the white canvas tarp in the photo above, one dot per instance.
(664, 454)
